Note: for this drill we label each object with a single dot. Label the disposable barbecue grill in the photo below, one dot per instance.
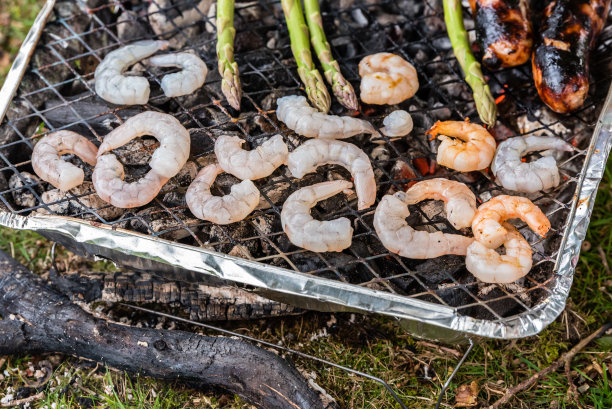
(435, 298)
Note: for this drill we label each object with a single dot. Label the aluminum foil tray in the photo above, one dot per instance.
(436, 298)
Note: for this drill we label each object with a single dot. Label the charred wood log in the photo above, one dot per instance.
(201, 302)
(37, 318)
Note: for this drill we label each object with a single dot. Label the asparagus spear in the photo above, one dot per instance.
(300, 45)
(485, 104)
(342, 89)
(230, 80)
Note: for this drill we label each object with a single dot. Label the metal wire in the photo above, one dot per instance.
(51, 101)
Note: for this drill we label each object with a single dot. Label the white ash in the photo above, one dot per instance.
(136, 152)
(23, 196)
(67, 206)
(536, 127)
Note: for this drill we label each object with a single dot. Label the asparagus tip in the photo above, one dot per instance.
(230, 86)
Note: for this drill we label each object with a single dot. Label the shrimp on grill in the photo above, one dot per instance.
(397, 123)
(108, 181)
(491, 267)
(387, 79)
(311, 234)
(487, 227)
(317, 152)
(459, 201)
(190, 78)
(48, 164)
(242, 200)
(117, 88)
(255, 164)
(473, 151)
(295, 112)
(514, 174)
(399, 238)
(169, 158)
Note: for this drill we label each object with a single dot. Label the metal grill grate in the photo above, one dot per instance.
(57, 93)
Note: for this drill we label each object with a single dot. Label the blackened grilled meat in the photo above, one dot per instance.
(561, 56)
(503, 30)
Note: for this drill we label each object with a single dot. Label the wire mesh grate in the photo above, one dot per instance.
(57, 93)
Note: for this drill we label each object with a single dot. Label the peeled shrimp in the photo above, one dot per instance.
(387, 79)
(473, 151)
(169, 158)
(255, 164)
(117, 88)
(307, 121)
(48, 164)
(397, 123)
(108, 181)
(242, 200)
(317, 152)
(487, 227)
(398, 237)
(190, 78)
(491, 267)
(459, 201)
(542, 174)
(311, 234)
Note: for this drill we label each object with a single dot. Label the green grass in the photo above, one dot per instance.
(371, 344)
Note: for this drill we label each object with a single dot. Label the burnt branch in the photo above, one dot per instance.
(201, 302)
(38, 319)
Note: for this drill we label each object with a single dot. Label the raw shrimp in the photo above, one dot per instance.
(459, 201)
(487, 227)
(190, 78)
(305, 120)
(48, 164)
(491, 267)
(169, 158)
(242, 200)
(473, 151)
(311, 234)
(117, 88)
(398, 237)
(108, 181)
(255, 164)
(316, 152)
(542, 174)
(397, 123)
(387, 79)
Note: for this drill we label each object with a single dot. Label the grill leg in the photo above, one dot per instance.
(452, 375)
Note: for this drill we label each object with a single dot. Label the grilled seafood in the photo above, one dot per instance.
(387, 79)
(504, 32)
(473, 151)
(491, 267)
(542, 174)
(399, 238)
(561, 56)
(397, 123)
(252, 165)
(487, 227)
(173, 152)
(108, 181)
(241, 201)
(317, 152)
(117, 88)
(305, 120)
(47, 162)
(459, 201)
(190, 78)
(311, 234)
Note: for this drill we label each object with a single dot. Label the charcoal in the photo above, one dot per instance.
(165, 17)
(182, 179)
(91, 113)
(136, 152)
(274, 191)
(164, 224)
(77, 202)
(23, 185)
(224, 238)
(174, 199)
(201, 141)
(130, 28)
